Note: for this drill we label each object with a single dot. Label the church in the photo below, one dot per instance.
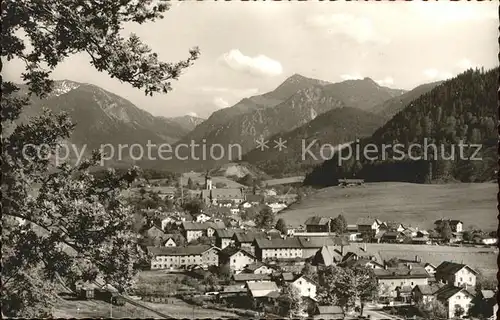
(213, 196)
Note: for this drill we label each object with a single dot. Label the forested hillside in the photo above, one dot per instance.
(462, 109)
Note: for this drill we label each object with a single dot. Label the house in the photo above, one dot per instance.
(479, 239)
(305, 285)
(311, 245)
(456, 274)
(213, 196)
(263, 291)
(361, 262)
(246, 205)
(276, 207)
(154, 232)
(328, 312)
(182, 257)
(456, 225)
(392, 279)
(410, 231)
(318, 224)
(254, 199)
(426, 293)
(277, 248)
(236, 258)
(259, 268)
(327, 256)
(224, 237)
(455, 299)
(202, 217)
(194, 230)
(170, 241)
(422, 234)
(251, 277)
(245, 239)
(430, 268)
(393, 226)
(269, 192)
(392, 237)
(234, 210)
(368, 226)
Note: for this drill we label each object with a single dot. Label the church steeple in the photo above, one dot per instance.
(208, 181)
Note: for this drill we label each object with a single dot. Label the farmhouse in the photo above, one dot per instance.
(194, 230)
(455, 298)
(368, 226)
(393, 226)
(327, 256)
(455, 274)
(259, 268)
(224, 237)
(305, 285)
(182, 257)
(426, 293)
(456, 225)
(392, 237)
(392, 279)
(277, 248)
(262, 292)
(237, 259)
(245, 240)
(202, 217)
(318, 224)
(311, 245)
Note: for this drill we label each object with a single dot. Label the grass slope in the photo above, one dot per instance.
(415, 204)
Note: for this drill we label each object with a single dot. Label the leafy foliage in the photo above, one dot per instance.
(339, 224)
(281, 226)
(265, 218)
(75, 225)
(290, 301)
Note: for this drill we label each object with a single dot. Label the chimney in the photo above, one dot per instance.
(417, 259)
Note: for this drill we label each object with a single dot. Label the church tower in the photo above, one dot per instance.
(208, 182)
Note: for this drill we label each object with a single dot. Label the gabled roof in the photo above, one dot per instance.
(241, 277)
(448, 267)
(223, 194)
(234, 288)
(188, 225)
(330, 310)
(392, 234)
(365, 221)
(179, 251)
(430, 289)
(299, 276)
(318, 242)
(318, 221)
(449, 291)
(226, 232)
(230, 251)
(248, 236)
(401, 272)
(278, 243)
(266, 286)
(256, 265)
(329, 254)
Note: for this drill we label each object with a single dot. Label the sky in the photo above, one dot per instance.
(249, 48)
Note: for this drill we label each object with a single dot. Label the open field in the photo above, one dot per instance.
(414, 204)
(282, 181)
(67, 309)
(182, 310)
(483, 260)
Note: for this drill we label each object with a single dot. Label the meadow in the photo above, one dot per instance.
(418, 205)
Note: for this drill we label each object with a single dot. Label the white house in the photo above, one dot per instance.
(455, 274)
(202, 217)
(306, 286)
(170, 243)
(454, 299)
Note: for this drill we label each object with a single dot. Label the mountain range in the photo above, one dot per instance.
(300, 108)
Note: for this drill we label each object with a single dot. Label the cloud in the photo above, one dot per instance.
(434, 74)
(355, 76)
(231, 91)
(466, 64)
(357, 28)
(387, 81)
(192, 114)
(446, 12)
(258, 66)
(221, 103)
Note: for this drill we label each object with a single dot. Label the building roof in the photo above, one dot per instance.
(265, 286)
(241, 277)
(488, 294)
(449, 291)
(250, 236)
(393, 224)
(359, 262)
(223, 194)
(392, 234)
(329, 254)
(401, 272)
(229, 251)
(448, 267)
(365, 221)
(234, 288)
(429, 289)
(318, 221)
(179, 251)
(265, 243)
(254, 198)
(318, 242)
(330, 310)
(189, 225)
(226, 232)
(256, 265)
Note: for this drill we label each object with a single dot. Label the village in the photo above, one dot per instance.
(221, 258)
